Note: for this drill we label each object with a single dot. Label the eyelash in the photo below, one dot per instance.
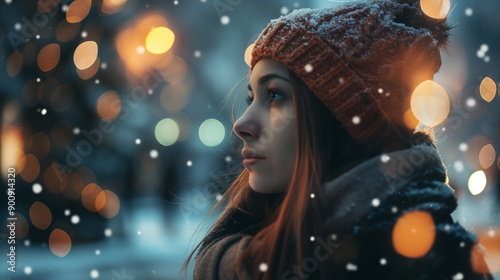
(270, 92)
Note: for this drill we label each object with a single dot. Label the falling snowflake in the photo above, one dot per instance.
(94, 273)
(284, 10)
(17, 26)
(463, 147)
(333, 236)
(308, 68)
(356, 120)
(38, 80)
(351, 267)
(37, 36)
(189, 163)
(108, 232)
(27, 243)
(44, 111)
(394, 209)
(312, 238)
(8, 1)
(486, 59)
(75, 219)
(491, 233)
(153, 153)
(447, 227)
(176, 2)
(64, 8)
(263, 267)
(150, 91)
(140, 49)
(462, 244)
(197, 54)
(137, 141)
(383, 261)
(384, 158)
(84, 34)
(458, 276)
(37, 188)
(97, 252)
(471, 102)
(104, 65)
(139, 232)
(312, 195)
(67, 212)
(376, 202)
(28, 270)
(76, 130)
(97, 81)
(469, 12)
(228, 158)
(341, 80)
(224, 20)
(218, 196)
(459, 166)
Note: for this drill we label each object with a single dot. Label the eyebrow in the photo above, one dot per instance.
(264, 79)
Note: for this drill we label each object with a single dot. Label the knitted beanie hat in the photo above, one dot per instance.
(362, 60)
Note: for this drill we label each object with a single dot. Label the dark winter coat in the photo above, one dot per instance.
(362, 206)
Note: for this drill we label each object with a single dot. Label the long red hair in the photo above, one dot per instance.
(324, 151)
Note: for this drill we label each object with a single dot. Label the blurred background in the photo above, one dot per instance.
(116, 120)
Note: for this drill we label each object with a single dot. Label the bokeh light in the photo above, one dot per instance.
(435, 8)
(89, 195)
(488, 89)
(48, 57)
(12, 148)
(39, 145)
(107, 204)
(167, 132)
(40, 215)
(29, 168)
(72, 185)
(248, 54)
(46, 6)
(112, 6)
(109, 105)
(78, 10)
(485, 254)
(85, 55)
(487, 156)
(174, 97)
(89, 72)
(66, 31)
(53, 178)
(59, 242)
(413, 234)
(14, 63)
(477, 182)
(211, 132)
(159, 40)
(430, 103)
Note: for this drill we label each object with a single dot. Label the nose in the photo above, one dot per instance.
(247, 126)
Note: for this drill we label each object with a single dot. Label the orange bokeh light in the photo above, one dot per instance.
(85, 55)
(89, 72)
(59, 242)
(435, 8)
(66, 31)
(248, 54)
(39, 145)
(48, 57)
(488, 89)
(53, 178)
(112, 6)
(413, 234)
(40, 215)
(14, 63)
(485, 255)
(89, 196)
(107, 204)
(78, 10)
(29, 168)
(109, 105)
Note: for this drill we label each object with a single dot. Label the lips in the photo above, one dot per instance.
(251, 157)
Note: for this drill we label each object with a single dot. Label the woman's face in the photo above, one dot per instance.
(267, 128)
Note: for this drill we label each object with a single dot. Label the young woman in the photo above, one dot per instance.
(335, 184)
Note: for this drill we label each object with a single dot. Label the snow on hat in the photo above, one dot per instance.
(362, 60)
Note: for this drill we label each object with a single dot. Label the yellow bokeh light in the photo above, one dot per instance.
(437, 9)
(477, 182)
(488, 89)
(248, 54)
(12, 148)
(413, 234)
(85, 55)
(78, 10)
(430, 103)
(159, 40)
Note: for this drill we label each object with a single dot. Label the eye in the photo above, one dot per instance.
(274, 95)
(249, 100)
